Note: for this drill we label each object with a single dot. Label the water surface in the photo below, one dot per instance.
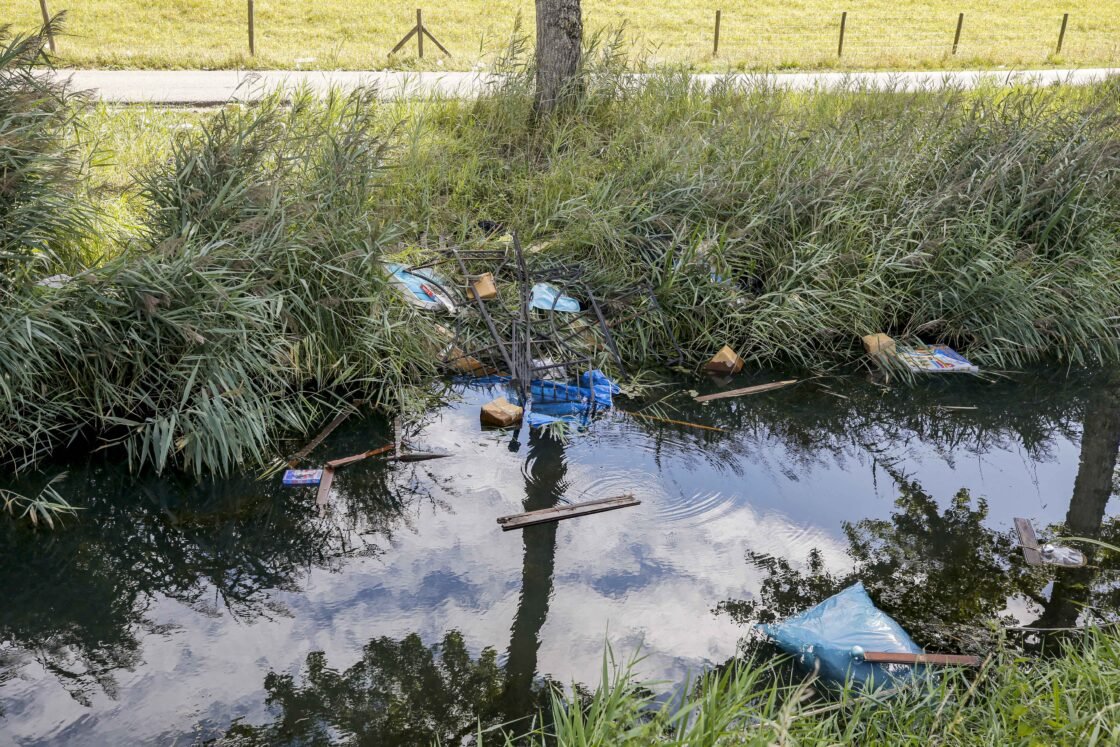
(171, 610)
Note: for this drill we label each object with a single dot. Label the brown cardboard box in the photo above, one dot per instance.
(726, 361)
(483, 286)
(455, 358)
(878, 344)
(501, 413)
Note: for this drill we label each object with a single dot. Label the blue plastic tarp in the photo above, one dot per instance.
(831, 635)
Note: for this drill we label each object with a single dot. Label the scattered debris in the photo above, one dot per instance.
(336, 463)
(1047, 554)
(322, 497)
(878, 344)
(302, 477)
(846, 637)
(483, 287)
(547, 297)
(500, 413)
(725, 361)
(302, 453)
(747, 390)
(416, 456)
(935, 359)
(421, 287)
(677, 422)
(921, 359)
(546, 515)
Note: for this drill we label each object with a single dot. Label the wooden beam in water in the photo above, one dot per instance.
(675, 422)
(336, 463)
(546, 515)
(415, 456)
(747, 390)
(302, 453)
(945, 660)
(1029, 541)
(322, 498)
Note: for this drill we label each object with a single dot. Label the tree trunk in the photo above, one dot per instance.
(559, 40)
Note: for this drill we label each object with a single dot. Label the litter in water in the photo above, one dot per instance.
(1036, 553)
(726, 361)
(746, 391)
(547, 515)
(847, 638)
(302, 476)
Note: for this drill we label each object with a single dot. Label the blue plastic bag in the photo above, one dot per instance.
(834, 634)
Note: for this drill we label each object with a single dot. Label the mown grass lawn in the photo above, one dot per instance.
(755, 35)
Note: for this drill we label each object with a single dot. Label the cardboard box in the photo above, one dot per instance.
(483, 286)
(878, 344)
(466, 364)
(501, 413)
(726, 361)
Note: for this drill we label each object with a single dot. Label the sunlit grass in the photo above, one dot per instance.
(338, 34)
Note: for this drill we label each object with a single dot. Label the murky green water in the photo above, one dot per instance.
(171, 610)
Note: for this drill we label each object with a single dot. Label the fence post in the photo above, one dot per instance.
(843, 25)
(957, 36)
(1062, 33)
(420, 32)
(715, 44)
(47, 23)
(252, 34)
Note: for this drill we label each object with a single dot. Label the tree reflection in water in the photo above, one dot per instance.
(406, 693)
(946, 576)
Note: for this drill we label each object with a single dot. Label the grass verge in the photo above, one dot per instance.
(331, 34)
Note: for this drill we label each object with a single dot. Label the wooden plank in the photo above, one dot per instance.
(1028, 540)
(546, 515)
(302, 453)
(958, 660)
(747, 390)
(336, 463)
(322, 498)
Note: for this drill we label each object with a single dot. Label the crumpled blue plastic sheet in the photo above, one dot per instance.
(831, 635)
(554, 401)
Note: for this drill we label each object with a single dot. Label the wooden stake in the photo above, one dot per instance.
(47, 23)
(715, 44)
(1062, 33)
(336, 463)
(420, 32)
(322, 498)
(843, 25)
(252, 36)
(957, 36)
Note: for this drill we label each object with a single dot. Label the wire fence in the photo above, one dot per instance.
(337, 33)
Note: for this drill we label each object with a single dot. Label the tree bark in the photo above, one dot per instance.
(559, 46)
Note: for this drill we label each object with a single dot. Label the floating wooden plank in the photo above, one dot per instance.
(322, 498)
(747, 390)
(302, 453)
(1029, 541)
(945, 660)
(336, 463)
(546, 515)
(677, 422)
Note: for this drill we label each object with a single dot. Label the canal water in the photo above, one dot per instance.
(172, 612)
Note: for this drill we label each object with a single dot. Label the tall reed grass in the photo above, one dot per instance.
(242, 301)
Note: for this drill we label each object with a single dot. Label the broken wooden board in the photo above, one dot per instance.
(322, 498)
(546, 515)
(676, 422)
(302, 453)
(944, 660)
(747, 390)
(336, 463)
(1029, 541)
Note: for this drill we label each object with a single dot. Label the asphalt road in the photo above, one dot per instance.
(211, 87)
